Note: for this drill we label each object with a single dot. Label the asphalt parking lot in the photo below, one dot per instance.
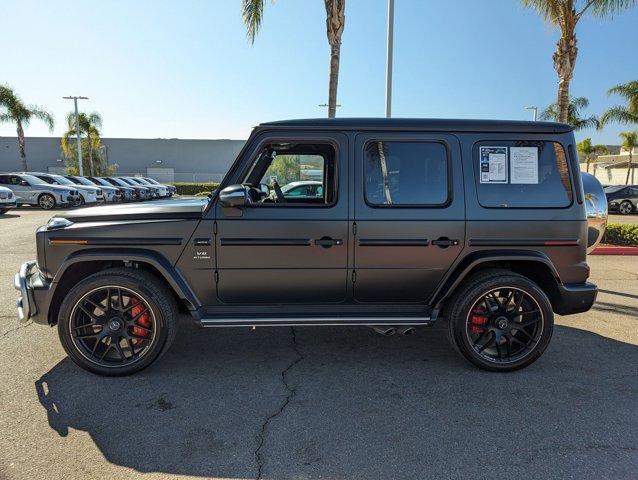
(314, 403)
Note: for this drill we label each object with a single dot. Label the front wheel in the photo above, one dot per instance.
(625, 208)
(117, 322)
(500, 321)
(46, 201)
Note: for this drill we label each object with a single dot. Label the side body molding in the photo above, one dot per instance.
(465, 265)
(163, 266)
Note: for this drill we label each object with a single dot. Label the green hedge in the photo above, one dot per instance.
(184, 188)
(621, 234)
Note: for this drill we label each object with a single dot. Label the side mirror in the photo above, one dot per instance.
(233, 196)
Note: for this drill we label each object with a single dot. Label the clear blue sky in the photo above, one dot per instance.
(158, 68)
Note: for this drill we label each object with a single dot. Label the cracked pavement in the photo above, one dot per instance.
(314, 403)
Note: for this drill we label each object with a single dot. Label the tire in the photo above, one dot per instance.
(80, 202)
(625, 208)
(482, 329)
(46, 201)
(3, 211)
(151, 296)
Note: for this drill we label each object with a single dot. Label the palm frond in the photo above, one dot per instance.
(252, 13)
(618, 114)
(550, 10)
(603, 8)
(583, 123)
(95, 119)
(41, 114)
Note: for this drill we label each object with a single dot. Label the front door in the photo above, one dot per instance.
(285, 247)
(409, 214)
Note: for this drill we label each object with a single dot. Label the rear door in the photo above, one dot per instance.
(409, 214)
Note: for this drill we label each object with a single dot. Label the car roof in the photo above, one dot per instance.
(425, 124)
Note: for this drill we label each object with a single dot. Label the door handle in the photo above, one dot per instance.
(327, 242)
(444, 242)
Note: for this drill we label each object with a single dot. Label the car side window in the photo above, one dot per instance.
(406, 173)
(15, 180)
(289, 174)
(4, 180)
(522, 174)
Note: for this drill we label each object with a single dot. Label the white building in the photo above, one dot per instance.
(612, 169)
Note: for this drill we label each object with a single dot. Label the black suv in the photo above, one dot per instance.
(480, 223)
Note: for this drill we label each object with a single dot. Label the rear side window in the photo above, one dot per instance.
(522, 174)
(406, 173)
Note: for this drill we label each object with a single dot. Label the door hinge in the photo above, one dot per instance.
(354, 228)
(215, 227)
(354, 276)
(216, 276)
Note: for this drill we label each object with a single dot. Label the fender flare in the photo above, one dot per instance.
(464, 266)
(170, 274)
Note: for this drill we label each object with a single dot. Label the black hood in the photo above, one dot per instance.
(166, 209)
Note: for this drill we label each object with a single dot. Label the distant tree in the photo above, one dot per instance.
(576, 104)
(253, 14)
(91, 141)
(629, 142)
(565, 14)
(627, 114)
(589, 151)
(14, 110)
(287, 168)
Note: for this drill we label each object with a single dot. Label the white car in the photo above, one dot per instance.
(303, 189)
(87, 194)
(7, 200)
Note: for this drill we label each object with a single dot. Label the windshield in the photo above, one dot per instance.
(83, 181)
(153, 181)
(62, 181)
(33, 180)
(119, 181)
(101, 181)
(141, 180)
(613, 188)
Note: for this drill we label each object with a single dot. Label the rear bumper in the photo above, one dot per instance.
(33, 303)
(575, 298)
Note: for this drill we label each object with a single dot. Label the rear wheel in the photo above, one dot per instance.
(117, 322)
(500, 321)
(625, 208)
(46, 201)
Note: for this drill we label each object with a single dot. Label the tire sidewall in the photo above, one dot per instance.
(124, 281)
(628, 210)
(44, 195)
(466, 302)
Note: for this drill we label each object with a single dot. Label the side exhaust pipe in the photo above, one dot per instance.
(407, 330)
(385, 330)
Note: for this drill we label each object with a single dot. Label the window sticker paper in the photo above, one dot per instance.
(524, 165)
(493, 163)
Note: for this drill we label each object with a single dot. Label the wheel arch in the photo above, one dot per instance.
(533, 265)
(79, 266)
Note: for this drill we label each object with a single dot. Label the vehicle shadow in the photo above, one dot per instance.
(347, 403)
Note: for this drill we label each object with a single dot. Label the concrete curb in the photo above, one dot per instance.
(614, 250)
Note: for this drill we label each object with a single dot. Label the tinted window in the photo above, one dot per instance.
(535, 175)
(405, 173)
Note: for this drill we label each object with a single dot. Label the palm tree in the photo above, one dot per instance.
(589, 151)
(623, 114)
(14, 110)
(89, 127)
(565, 14)
(630, 141)
(576, 104)
(253, 14)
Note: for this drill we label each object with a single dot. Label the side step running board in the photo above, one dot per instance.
(313, 321)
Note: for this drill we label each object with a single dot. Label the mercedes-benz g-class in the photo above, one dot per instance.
(480, 223)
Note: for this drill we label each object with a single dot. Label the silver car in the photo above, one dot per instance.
(7, 200)
(88, 194)
(35, 191)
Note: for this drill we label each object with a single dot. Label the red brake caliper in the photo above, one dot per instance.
(144, 320)
(478, 320)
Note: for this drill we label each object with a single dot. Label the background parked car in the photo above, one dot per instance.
(128, 193)
(303, 189)
(154, 192)
(88, 194)
(32, 190)
(141, 193)
(111, 194)
(162, 191)
(7, 200)
(172, 189)
(622, 198)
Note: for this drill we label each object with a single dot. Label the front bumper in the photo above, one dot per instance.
(8, 204)
(575, 298)
(33, 303)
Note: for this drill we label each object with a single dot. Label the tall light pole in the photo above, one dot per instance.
(77, 129)
(535, 111)
(388, 70)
